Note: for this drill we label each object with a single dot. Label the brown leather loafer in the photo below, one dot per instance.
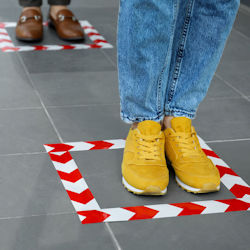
(66, 25)
(30, 26)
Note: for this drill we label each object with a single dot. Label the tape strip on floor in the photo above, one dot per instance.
(7, 45)
(89, 211)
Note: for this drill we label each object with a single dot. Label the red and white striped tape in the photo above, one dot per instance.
(7, 45)
(90, 212)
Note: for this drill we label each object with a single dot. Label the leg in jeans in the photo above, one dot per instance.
(201, 32)
(145, 37)
(168, 52)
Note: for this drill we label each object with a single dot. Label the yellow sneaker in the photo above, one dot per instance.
(144, 168)
(194, 172)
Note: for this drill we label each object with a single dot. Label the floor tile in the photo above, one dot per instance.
(96, 3)
(218, 89)
(245, 3)
(223, 119)
(97, 16)
(66, 61)
(89, 123)
(25, 131)
(236, 74)
(102, 172)
(57, 232)
(237, 48)
(16, 90)
(10, 11)
(78, 88)
(30, 186)
(242, 21)
(213, 231)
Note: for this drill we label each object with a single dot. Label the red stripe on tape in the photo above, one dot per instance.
(5, 40)
(84, 197)
(9, 48)
(93, 34)
(40, 47)
(72, 177)
(239, 191)
(4, 33)
(64, 158)
(59, 147)
(224, 170)
(189, 208)
(88, 27)
(100, 41)
(93, 216)
(210, 153)
(68, 47)
(2, 25)
(235, 205)
(141, 212)
(95, 46)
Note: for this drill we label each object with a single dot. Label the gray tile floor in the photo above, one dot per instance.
(55, 96)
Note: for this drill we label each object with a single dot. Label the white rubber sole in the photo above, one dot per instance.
(152, 190)
(196, 190)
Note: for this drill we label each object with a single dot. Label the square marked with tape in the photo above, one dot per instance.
(89, 211)
(7, 45)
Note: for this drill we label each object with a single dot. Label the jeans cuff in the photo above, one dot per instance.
(131, 120)
(180, 113)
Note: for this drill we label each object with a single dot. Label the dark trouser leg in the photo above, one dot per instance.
(30, 3)
(58, 2)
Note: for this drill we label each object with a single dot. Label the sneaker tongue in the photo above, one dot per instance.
(181, 124)
(149, 128)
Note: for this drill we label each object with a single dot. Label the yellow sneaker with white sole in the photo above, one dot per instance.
(194, 171)
(144, 168)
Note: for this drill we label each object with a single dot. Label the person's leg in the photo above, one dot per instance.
(201, 33)
(145, 34)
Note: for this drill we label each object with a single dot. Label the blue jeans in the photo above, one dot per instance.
(168, 51)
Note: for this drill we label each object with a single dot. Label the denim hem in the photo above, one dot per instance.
(131, 120)
(179, 112)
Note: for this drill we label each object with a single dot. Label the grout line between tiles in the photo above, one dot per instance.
(115, 241)
(229, 140)
(20, 108)
(110, 59)
(232, 87)
(20, 154)
(81, 105)
(35, 215)
(242, 34)
(40, 99)
(244, 7)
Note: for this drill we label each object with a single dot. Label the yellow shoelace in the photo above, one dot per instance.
(187, 145)
(148, 146)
